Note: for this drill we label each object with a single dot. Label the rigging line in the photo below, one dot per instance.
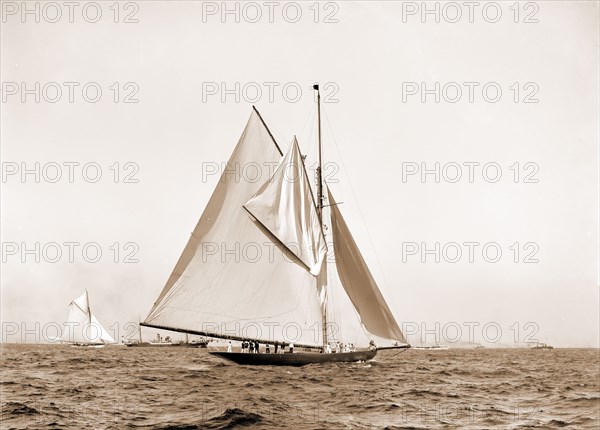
(310, 156)
(310, 114)
(307, 121)
(280, 136)
(356, 199)
(333, 317)
(400, 352)
(309, 147)
(357, 317)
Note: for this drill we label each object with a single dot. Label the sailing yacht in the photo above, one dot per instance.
(82, 327)
(268, 259)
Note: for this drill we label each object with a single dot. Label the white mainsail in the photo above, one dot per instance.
(232, 279)
(83, 327)
(255, 266)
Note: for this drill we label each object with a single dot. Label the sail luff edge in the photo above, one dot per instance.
(267, 128)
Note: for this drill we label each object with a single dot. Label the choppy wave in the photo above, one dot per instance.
(18, 409)
(180, 388)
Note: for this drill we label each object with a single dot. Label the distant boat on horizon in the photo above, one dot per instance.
(82, 327)
(432, 347)
(288, 300)
(159, 342)
(541, 345)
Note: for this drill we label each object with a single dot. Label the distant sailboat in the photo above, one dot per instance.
(82, 327)
(286, 298)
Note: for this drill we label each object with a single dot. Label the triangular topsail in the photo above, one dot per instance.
(284, 205)
(358, 282)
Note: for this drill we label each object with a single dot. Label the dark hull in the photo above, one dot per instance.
(299, 359)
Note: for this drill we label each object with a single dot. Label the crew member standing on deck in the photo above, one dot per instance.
(291, 348)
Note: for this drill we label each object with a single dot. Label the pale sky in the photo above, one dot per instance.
(175, 52)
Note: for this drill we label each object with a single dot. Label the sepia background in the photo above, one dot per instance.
(176, 130)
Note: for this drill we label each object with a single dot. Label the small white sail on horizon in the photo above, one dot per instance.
(82, 326)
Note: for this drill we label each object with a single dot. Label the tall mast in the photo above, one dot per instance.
(319, 168)
(320, 208)
(89, 313)
(88, 310)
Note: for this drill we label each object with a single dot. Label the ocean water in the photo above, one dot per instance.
(50, 386)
